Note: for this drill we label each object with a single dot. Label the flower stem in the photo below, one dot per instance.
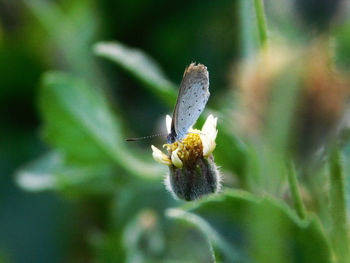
(261, 20)
(338, 207)
(293, 184)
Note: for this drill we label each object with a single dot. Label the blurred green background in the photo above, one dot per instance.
(36, 36)
(84, 216)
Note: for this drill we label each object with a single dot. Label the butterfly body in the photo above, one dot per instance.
(192, 98)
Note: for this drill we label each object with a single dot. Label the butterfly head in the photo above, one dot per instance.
(171, 138)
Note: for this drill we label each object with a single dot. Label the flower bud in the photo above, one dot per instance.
(195, 180)
(317, 104)
(192, 171)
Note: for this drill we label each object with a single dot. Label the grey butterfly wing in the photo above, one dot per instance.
(192, 98)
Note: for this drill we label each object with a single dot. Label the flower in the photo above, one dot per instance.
(307, 100)
(193, 172)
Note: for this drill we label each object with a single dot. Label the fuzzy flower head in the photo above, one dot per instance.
(317, 92)
(192, 169)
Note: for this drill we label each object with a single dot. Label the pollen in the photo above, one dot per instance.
(191, 147)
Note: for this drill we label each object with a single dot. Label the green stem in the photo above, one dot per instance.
(261, 20)
(338, 208)
(293, 184)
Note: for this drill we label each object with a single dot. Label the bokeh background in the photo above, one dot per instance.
(75, 222)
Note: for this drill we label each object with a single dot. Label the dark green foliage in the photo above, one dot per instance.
(78, 77)
(256, 230)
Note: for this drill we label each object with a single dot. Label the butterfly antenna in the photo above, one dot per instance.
(144, 138)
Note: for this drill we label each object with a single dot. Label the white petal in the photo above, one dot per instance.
(209, 126)
(168, 123)
(159, 156)
(214, 134)
(175, 159)
(205, 144)
(208, 123)
(212, 146)
(209, 129)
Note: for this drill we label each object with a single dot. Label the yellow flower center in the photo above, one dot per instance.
(191, 147)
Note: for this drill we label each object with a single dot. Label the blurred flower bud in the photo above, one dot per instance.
(194, 181)
(321, 104)
(192, 171)
(317, 14)
(318, 102)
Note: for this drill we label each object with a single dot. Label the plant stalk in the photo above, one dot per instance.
(339, 230)
(295, 193)
(261, 20)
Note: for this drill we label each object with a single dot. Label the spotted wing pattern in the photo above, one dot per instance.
(192, 98)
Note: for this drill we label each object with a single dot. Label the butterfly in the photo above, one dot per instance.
(191, 100)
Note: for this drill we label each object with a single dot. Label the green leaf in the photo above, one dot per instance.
(244, 228)
(38, 176)
(79, 122)
(139, 227)
(139, 65)
(231, 151)
(50, 172)
(147, 241)
(63, 26)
